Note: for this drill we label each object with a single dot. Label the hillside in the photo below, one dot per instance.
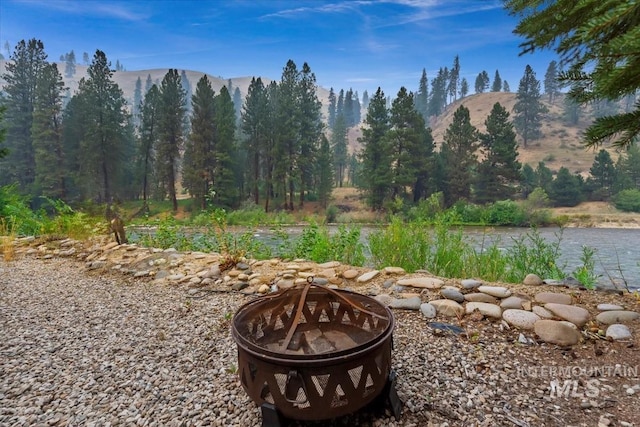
(559, 146)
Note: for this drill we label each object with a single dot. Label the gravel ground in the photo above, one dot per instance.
(78, 348)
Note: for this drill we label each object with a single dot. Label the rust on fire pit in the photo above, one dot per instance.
(312, 352)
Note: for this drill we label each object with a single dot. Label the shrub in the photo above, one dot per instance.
(506, 212)
(628, 200)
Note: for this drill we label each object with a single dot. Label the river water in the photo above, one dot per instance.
(617, 256)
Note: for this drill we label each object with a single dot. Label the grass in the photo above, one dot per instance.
(8, 235)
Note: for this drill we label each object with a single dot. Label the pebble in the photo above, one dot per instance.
(532, 280)
(512, 302)
(555, 332)
(447, 307)
(452, 294)
(422, 282)
(609, 307)
(486, 309)
(350, 274)
(617, 316)
(368, 276)
(553, 297)
(618, 332)
(428, 310)
(520, 318)
(480, 297)
(495, 291)
(576, 315)
(394, 270)
(470, 283)
(542, 312)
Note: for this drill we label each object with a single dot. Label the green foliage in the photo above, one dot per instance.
(15, 211)
(530, 253)
(528, 107)
(628, 200)
(506, 212)
(584, 274)
(400, 244)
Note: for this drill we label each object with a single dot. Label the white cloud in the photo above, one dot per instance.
(106, 9)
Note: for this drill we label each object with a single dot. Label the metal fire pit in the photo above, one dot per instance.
(313, 353)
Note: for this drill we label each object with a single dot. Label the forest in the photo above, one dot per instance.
(276, 149)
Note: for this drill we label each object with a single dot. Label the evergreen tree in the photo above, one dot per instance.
(422, 97)
(148, 137)
(324, 172)
(572, 111)
(565, 189)
(458, 151)
(551, 85)
(254, 125)
(186, 86)
(310, 128)
(348, 110)
(85, 58)
(365, 99)
(3, 150)
(339, 148)
(237, 102)
(464, 88)
(438, 100)
(340, 103)
(454, 79)
(599, 40)
(376, 152)
(603, 175)
(171, 124)
(22, 73)
(70, 64)
(137, 100)
(482, 82)
(199, 160)
(104, 142)
(528, 107)
(629, 166)
(499, 172)
(497, 83)
(148, 83)
(224, 150)
(505, 86)
(47, 134)
(356, 109)
(544, 177)
(331, 121)
(529, 180)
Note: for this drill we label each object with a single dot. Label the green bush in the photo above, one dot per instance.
(628, 200)
(506, 212)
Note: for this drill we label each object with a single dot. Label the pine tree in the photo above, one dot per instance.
(464, 88)
(199, 160)
(332, 109)
(376, 153)
(47, 134)
(497, 83)
(237, 102)
(21, 76)
(148, 83)
(148, 137)
(171, 124)
(85, 58)
(438, 100)
(505, 86)
(571, 111)
(544, 177)
(454, 79)
(224, 150)
(70, 64)
(422, 97)
(529, 180)
(551, 85)
(365, 99)
(482, 82)
(3, 150)
(348, 110)
(186, 86)
(603, 175)
(324, 172)
(340, 103)
(254, 125)
(137, 100)
(339, 148)
(565, 189)
(499, 172)
(599, 40)
(528, 107)
(104, 140)
(310, 128)
(458, 152)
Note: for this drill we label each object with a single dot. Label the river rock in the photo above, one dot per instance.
(532, 280)
(553, 297)
(350, 274)
(394, 270)
(422, 282)
(609, 307)
(617, 316)
(428, 310)
(542, 312)
(384, 299)
(555, 332)
(576, 315)
(471, 283)
(512, 302)
(495, 291)
(329, 264)
(520, 318)
(368, 276)
(618, 332)
(412, 303)
(486, 309)
(452, 294)
(447, 307)
(479, 297)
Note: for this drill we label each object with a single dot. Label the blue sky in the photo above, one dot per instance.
(359, 44)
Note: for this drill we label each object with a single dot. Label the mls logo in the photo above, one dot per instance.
(573, 388)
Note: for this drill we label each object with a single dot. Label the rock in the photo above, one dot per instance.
(447, 307)
(412, 303)
(520, 318)
(239, 286)
(452, 294)
(263, 289)
(542, 312)
(480, 297)
(617, 316)
(242, 266)
(327, 273)
(554, 297)
(394, 270)
(446, 327)
(609, 307)
(367, 276)
(532, 280)
(576, 315)
(428, 310)
(512, 302)
(384, 299)
(471, 283)
(320, 281)
(285, 284)
(618, 331)
(422, 282)
(350, 274)
(555, 332)
(388, 283)
(495, 291)
(486, 309)
(329, 264)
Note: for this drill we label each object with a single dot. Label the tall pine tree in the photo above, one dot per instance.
(528, 107)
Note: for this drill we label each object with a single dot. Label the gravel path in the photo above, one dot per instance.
(80, 349)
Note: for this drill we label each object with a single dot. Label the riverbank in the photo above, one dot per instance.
(96, 333)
